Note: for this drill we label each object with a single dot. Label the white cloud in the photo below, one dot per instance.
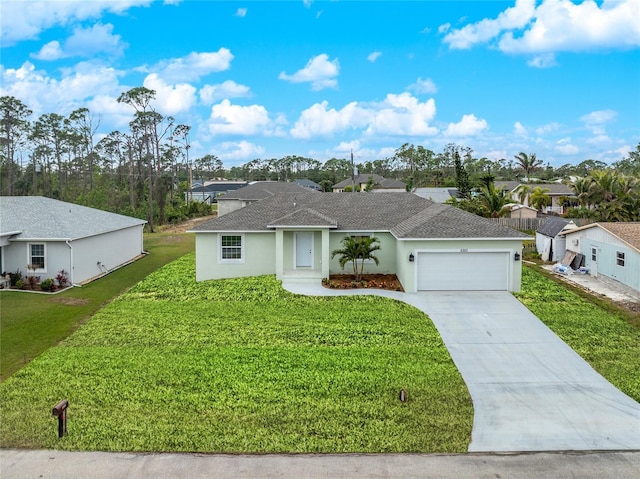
(548, 128)
(519, 129)
(317, 120)
(565, 147)
(241, 12)
(544, 60)
(85, 42)
(319, 71)
(171, 99)
(554, 26)
(373, 56)
(238, 151)
(599, 117)
(210, 94)
(515, 17)
(402, 115)
(50, 51)
(21, 20)
(423, 86)
(397, 115)
(444, 28)
(468, 126)
(596, 122)
(193, 66)
(44, 94)
(229, 119)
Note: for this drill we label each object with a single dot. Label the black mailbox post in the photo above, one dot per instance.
(60, 411)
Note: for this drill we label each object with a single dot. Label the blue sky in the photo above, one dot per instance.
(261, 79)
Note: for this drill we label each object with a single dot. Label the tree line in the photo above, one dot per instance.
(145, 170)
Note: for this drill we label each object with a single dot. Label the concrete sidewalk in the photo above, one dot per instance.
(19, 464)
(530, 391)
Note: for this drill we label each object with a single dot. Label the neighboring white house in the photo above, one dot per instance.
(256, 192)
(611, 250)
(429, 246)
(53, 235)
(550, 240)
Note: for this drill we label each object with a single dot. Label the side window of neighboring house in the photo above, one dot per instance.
(231, 248)
(620, 258)
(37, 255)
(594, 254)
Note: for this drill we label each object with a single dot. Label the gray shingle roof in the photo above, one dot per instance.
(43, 218)
(262, 190)
(552, 226)
(381, 181)
(403, 214)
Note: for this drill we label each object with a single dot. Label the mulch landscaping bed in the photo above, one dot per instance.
(377, 281)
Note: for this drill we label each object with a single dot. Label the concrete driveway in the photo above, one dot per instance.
(530, 391)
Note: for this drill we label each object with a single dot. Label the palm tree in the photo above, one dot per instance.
(539, 198)
(582, 189)
(494, 201)
(522, 193)
(528, 162)
(357, 251)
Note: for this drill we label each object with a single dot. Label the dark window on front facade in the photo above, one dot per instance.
(619, 258)
(594, 254)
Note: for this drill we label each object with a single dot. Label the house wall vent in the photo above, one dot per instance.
(575, 242)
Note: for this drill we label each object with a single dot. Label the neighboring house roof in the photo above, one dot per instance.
(37, 217)
(218, 187)
(308, 184)
(506, 185)
(405, 215)
(627, 232)
(554, 225)
(554, 188)
(264, 189)
(378, 180)
(439, 195)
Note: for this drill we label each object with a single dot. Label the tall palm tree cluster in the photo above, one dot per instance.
(607, 195)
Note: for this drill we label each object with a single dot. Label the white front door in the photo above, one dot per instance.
(304, 250)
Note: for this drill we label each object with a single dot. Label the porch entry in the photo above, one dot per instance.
(304, 250)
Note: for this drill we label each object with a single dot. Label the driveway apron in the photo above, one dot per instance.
(530, 391)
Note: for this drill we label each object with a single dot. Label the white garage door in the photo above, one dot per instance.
(463, 271)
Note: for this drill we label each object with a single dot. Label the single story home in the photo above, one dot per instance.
(52, 235)
(379, 183)
(429, 246)
(611, 250)
(550, 239)
(255, 192)
(212, 190)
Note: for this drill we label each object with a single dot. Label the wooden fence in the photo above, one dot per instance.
(528, 224)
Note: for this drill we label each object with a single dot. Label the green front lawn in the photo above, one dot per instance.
(604, 335)
(31, 323)
(242, 366)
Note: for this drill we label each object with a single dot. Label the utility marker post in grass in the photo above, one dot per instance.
(60, 411)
